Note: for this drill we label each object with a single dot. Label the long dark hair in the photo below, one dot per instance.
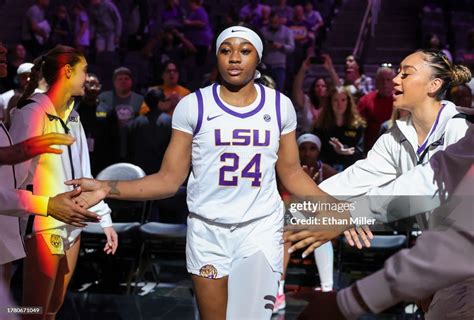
(352, 118)
(48, 66)
(317, 101)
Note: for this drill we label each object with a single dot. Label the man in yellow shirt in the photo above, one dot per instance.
(170, 87)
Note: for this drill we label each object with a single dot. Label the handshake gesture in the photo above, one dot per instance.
(316, 231)
(93, 191)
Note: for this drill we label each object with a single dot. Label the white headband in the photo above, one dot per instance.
(309, 137)
(241, 32)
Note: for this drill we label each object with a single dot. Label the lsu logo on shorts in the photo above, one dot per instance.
(208, 271)
(56, 241)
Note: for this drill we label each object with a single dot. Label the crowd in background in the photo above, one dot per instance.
(142, 64)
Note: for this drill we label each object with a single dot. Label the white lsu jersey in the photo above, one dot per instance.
(234, 152)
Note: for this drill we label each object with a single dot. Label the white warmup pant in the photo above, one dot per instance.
(253, 286)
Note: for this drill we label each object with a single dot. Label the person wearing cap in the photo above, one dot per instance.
(23, 76)
(310, 148)
(123, 105)
(237, 135)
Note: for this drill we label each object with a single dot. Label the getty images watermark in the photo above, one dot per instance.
(313, 207)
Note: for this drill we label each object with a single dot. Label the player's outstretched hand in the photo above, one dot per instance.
(42, 144)
(307, 239)
(32, 147)
(93, 191)
(354, 235)
(62, 207)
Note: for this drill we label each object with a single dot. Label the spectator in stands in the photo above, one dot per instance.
(170, 86)
(284, 11)
(341, 130)
(308, 106)
(105, 24)
(461, 96)
(396, 114)
(267, 10)
(151, 133)
(123, 104)
(354, 78)
(198, 30)
(302, 30)
(309, 146)
(304, 39)
(18, 57)
(252, 13)
(23, 77)
(122, 99)
(169, 44)
(137, 31)
(433, 42)
(173, 15)
(87, 106)
(279, 44)
(313, 17)
(359, 84)
(376, 106)
(97, 125)
(61, 28)
(36, 29)
(81, 28)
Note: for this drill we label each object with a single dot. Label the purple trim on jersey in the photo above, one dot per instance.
(423, 146)
(236, 114)
(278, 109)
(200, 111)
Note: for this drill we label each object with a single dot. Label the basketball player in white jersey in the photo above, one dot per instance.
(233, 135)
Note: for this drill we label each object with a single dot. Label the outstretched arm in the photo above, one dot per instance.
(298, 93)
(32, 147)
(290, 172)
(162, 184)
(299, 184)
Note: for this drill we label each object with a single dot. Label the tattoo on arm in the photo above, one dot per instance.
(114, 191)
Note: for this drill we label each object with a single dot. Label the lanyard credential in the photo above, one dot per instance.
(66, 131)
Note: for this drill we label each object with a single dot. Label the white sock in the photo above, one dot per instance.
(281, 287)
